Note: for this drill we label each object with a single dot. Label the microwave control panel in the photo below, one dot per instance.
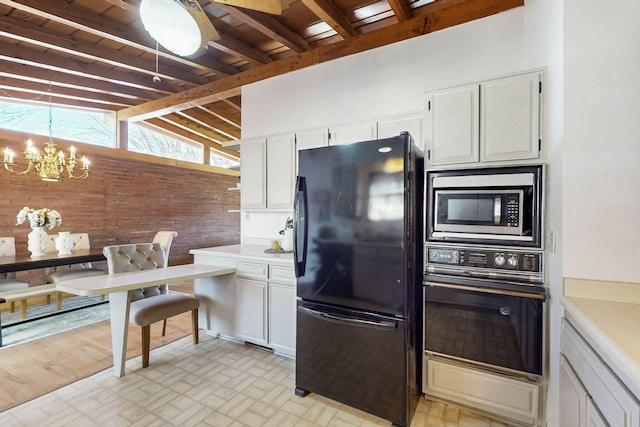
(513, 210)
(484, 259)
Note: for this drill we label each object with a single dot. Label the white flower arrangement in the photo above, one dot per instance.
(44, 217)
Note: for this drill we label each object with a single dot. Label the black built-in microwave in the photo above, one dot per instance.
(496, 206)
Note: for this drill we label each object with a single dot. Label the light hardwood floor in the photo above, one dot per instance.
(215, 383)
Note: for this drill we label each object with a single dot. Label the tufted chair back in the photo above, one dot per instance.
(7, 248)
(134, 257)
(165, 238)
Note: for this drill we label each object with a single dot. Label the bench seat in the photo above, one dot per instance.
(21, 295)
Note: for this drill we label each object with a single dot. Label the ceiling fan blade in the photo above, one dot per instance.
(269, 6)
(209, 32)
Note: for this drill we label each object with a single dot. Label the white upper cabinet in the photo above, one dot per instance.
(267, 169)
(452, 124)
(313, 138)
(253, 172)
(353, 132)
(492, 121)
(509, 118)
(280, 171)
(411, 123)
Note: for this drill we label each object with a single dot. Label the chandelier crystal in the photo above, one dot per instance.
(51, 165)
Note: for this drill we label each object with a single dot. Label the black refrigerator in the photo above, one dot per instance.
(358, 239)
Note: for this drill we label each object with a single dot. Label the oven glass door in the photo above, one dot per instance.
(479, 211)
(488, 326)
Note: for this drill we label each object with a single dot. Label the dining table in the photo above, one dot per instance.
(118, 286)
(22, 262)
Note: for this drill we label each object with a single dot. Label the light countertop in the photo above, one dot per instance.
(248, 252)
(611, 328)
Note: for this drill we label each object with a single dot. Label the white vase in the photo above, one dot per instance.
(64, 243)
(37, 241)
(287, 242)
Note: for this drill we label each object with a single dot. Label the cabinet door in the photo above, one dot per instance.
(452, 125)
(253, 174)
(280, 171)
(594, 418)
(282, 318)
(573, 397)
(509, 118)
(251, 310)
(353, 132)
(411, 123)
(313, 138)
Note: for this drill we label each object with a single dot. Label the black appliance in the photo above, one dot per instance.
(497, 206)
(358, 247)
(485, 306)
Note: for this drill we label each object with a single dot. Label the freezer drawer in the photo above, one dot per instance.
(356, 358)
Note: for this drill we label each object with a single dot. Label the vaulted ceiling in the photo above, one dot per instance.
(96, 54)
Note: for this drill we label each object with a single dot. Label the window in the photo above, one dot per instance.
(143, 139)
(86, 126)
(222, 160)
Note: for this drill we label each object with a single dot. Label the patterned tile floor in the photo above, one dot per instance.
(215, 383)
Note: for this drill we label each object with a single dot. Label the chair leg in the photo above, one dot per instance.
(48, 299)
(146, 345)
(58, 301)
(102, 297)
(13, 307)
(194, 323)
(164, 326)
(23, 309)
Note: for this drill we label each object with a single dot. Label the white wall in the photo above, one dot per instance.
(602, 141)
(392, 80)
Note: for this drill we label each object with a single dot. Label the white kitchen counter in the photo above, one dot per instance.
(611, 328)
(247, 252)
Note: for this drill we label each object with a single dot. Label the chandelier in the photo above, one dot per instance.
(51, 165)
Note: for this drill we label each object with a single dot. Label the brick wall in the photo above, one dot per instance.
(127, 201)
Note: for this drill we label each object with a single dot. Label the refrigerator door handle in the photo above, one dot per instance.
(300, 213)
(330, 317)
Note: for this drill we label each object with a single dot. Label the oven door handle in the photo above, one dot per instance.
(486, 290)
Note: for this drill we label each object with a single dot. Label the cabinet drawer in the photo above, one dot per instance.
(282, 274)
(616, 403)
(258, 271)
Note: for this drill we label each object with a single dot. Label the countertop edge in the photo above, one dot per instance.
(610, 352)
(245, 252)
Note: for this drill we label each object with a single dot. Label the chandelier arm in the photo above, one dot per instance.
(9, 167)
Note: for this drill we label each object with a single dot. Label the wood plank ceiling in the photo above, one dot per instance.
(96, 54)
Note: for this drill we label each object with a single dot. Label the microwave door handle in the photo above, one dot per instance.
(497, 210)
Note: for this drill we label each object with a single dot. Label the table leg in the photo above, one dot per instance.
(119, 311)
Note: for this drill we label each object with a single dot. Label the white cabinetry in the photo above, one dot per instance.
(353, 132)
(312, 138)
(411, 123)
(595, 394)
(268, 172)
(282, 310)
(491, 121)
(251, 302)
(253, 172)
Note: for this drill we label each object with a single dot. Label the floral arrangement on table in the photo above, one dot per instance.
(44, 217)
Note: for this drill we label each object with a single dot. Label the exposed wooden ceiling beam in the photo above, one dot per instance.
(102, 26)
(166, 126)
(329, 13)
(401, 9)
(201, 121)
(232, 104)
(219, 114)
(195, 126)
(30, 33)
(447, 16)
(54, 62)
(269, 26)
(235, 47)
(123, 4)
(98, 86)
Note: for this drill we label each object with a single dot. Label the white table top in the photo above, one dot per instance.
(251, 252)
(611, 328)
(99, 285)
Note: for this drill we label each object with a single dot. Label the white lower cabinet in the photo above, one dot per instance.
(251, 310)
(510, 397)
(594, 394)
(265, 306)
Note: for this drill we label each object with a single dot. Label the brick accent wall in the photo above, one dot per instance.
(127, 201)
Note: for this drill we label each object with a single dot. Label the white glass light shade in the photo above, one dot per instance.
(171, 25)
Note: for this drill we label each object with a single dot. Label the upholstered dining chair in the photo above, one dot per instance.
(152, 304)
(73, 271)
(8, 281)
(165, 238)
